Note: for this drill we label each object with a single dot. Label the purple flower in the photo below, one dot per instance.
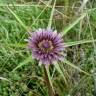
(46, 45)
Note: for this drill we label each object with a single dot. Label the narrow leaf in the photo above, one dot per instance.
(27, 60)
(49, 2)
(73, 24)
(75, 67)
(18, 19)
(51, 16)
(68, 44)
(2, 78)
(60, 71)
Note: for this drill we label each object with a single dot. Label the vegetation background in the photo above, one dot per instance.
(20, 75)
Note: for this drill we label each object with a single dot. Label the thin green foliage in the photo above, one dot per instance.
(78, 42)
(61, 73)
(42, 12)
(4, 79)
(51, 16)
(18, 19)
(70, 26)
(27, 60)
(75, 67)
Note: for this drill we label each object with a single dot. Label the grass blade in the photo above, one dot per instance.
(78, 42)
(29, 59)
(49, 2)
(75, 67)
(2, 78)
(60, 71)
(18, 45)
(18, 19)
(51, 16)
(73, 24)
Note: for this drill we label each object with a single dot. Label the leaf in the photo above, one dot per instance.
(18, 45)
(51, 16)
(60, 71)
(18, 19)
(68, 44)
(2, 78)
(73, 24)
(75, 67)
(29, 59)
(49, 2)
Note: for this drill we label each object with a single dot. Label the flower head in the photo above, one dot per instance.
(46, 45)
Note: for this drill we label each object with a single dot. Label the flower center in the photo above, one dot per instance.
(45, 46)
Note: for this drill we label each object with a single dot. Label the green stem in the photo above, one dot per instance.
(50, 89)
(66, 5)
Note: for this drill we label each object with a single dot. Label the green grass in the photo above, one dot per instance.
(20, 74)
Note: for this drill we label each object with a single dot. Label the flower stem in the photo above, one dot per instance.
(49, 85)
